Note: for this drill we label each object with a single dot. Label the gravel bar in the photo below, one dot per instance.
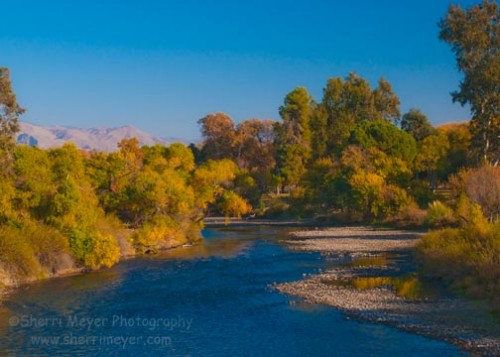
(453, 319)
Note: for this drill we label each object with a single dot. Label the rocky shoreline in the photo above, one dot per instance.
(375, 280)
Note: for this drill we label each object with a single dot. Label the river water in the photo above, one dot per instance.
(213, 299)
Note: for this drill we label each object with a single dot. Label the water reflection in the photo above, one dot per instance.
(226, 248)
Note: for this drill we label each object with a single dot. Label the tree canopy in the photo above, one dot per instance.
(9, 113)
(474, 36)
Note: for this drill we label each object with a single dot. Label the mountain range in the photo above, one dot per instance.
(100, 139)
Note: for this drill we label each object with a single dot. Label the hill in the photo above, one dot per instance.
(100, 139)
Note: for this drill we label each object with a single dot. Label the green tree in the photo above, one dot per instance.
(296, 112)
(33, 181)
(319, 133)
(474, 36)
(386, 102)
(346, 104)
(416, 123)
(293, 136)
(9, 114)
(338, 123)
(387, 138)
(431, 153)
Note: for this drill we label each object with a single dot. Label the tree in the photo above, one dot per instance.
(459, 137)
(256, 152)
(347, 103)
(296, 111)
(74, 210)
(431, 153)
(319, 133)
(255, 144)
(231, 204)
(211, 179)
(371, 179)
(33, 180)
(474, 36)
(9, 113)
(293, 135)
(416, 123)
(386, 102)
(386, 137)
(219, 136)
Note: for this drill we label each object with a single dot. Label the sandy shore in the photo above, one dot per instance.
(453, 319)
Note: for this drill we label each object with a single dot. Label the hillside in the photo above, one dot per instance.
(101, 139)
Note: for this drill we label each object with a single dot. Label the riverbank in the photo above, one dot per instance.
(69, 267)
(375, 280)
(216, 222)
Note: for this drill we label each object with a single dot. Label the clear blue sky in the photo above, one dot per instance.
(161, 65)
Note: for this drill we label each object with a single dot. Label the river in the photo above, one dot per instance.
(213, 299)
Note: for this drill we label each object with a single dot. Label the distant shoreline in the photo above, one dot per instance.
(214, 222)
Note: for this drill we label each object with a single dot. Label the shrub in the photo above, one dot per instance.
(481, 186)
(33, 251)
(111, 225)
(162, 232)
(409, 215)
(94, 249)
(440, 215)
(51, 247)
(232, 204)
(104, 251)
(467, 259)
(17, 255)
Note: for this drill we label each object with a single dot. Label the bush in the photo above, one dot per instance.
(422, 193)
(51, 247)
(409, 215)
(440, 215)
(94, 249)
(104, 251)
(18, 256)
(232, 204)
(481, 186)
(33, 251)
(467, 259)
(111, 225)
(160, 233)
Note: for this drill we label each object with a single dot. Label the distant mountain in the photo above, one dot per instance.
(100, 139)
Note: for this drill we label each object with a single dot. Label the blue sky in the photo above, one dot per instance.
(161, 65)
